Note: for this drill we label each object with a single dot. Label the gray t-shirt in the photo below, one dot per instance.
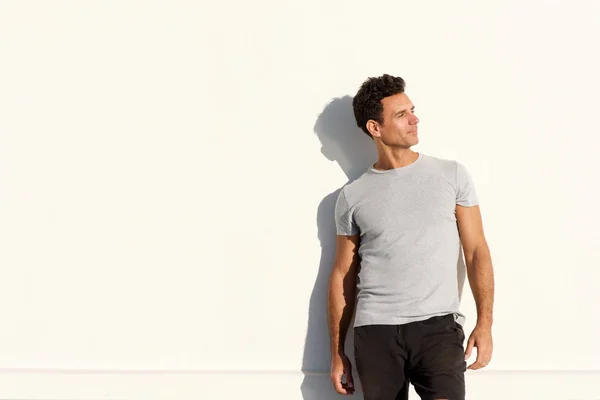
(409, 241)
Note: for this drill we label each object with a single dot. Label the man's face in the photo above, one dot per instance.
(399, 128)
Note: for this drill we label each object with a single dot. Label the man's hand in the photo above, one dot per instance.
(340, 366)
(481, 337)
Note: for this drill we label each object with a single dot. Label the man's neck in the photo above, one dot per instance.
(395, 159)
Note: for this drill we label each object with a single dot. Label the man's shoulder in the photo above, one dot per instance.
(355, 188)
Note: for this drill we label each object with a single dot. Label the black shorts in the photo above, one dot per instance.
(429, 354)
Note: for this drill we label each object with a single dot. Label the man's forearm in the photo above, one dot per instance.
(481, 280)
(340, 307)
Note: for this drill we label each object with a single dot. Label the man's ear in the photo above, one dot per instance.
(373, 128)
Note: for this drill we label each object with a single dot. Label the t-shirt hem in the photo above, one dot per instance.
(362, 321)
(468, 203)
(346, 233)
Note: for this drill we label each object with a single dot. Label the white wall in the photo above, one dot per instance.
(168, 173)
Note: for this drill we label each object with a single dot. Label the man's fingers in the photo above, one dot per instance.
(349, 380)
(477, 365)
(341, 376)
(470, 345)
(343, 388)
(349, 385)
(478, 362)
(337, 383)
(483, 359)
(481, 339)
(486, 357)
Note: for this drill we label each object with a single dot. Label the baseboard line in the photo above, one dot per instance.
(114, 371)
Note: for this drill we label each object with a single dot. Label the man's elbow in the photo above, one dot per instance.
(477, 254)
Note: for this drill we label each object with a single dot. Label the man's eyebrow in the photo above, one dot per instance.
(401, 111)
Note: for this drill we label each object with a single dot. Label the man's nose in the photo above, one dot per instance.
(414, 119)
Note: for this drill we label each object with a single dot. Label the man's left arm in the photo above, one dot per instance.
(481, 279)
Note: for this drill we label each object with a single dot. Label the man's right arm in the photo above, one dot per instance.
(340, 307)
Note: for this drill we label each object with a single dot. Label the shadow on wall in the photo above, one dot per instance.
(343, 142)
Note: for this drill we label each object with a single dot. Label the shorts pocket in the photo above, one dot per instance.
(459, 329)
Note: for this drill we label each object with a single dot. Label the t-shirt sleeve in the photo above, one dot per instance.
(344, 219)
(466, 194)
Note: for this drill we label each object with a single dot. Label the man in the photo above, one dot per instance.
(399, 230)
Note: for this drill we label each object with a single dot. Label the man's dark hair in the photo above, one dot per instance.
(367, 102)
